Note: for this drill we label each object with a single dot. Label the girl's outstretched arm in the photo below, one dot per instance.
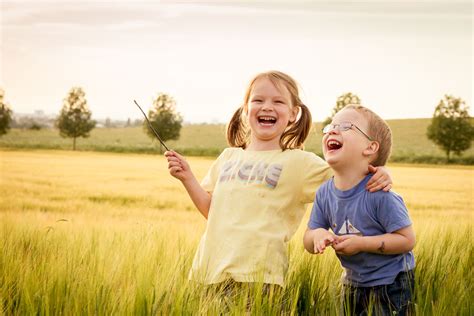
(179, 168)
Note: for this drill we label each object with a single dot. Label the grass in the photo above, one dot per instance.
(410, 144)
(104, 233)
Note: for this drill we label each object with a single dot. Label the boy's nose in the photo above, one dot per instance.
(333, 131)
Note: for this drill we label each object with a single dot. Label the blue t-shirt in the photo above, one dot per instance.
(357, 211)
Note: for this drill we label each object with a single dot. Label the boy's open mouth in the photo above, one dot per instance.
(333, 144)
(266, 120)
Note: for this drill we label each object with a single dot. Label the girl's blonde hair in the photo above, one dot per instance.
(238, 132)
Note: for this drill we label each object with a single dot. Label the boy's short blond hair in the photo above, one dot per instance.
(379, 131)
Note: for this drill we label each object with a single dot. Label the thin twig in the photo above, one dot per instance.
(151, 126)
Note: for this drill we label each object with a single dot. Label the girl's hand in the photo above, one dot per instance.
(380, 180)
(178, 166)
(320, 244)
(349, 245)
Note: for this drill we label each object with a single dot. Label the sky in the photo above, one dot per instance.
(400, 57)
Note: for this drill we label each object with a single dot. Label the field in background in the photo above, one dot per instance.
(102, 233)
(410, 141)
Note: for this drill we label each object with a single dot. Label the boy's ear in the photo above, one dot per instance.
(372, 148)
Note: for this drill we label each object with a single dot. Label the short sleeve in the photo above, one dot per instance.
(392, 213)
(318, 217)
(315, 171)
(210, 180)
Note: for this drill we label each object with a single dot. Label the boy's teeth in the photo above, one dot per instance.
(334, 144)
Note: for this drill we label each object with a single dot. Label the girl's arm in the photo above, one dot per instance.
(381, 179)
(180, 169)
(400, 241)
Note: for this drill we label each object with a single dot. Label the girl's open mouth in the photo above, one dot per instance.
(266, 120)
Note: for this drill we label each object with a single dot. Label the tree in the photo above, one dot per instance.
(5, 114)
(343, 100)
(164, 119)
(74, 120)
(451, 127)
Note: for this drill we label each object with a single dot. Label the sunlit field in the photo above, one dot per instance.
(103, 233)
(410, 143)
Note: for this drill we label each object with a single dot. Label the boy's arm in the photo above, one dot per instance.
(316, 240)
(400, 241)
(180, 169)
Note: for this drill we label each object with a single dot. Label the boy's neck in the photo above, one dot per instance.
(347, 178)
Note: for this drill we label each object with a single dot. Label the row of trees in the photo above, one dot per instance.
(451, 127)
(75, 118)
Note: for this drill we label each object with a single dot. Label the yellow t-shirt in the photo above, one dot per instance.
(258, 201)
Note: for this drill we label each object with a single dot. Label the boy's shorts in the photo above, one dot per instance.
(390, 299)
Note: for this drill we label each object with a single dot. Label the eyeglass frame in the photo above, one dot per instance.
(338, 127)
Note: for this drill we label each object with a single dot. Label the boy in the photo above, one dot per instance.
(371, 232)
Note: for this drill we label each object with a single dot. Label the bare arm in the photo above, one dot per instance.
(400, 241)
(180, 169)
(316, 240)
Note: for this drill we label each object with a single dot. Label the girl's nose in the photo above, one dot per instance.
(267, 106)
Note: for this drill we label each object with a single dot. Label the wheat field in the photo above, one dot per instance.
(105, 233)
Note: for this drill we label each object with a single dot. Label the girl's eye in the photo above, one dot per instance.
(257, 100)
(279, 102)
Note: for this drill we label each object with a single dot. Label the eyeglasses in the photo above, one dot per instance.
(343, 126)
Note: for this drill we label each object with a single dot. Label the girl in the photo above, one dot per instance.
(254, 194)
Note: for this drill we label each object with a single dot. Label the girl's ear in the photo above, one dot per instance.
(372, 148)
(294, 113)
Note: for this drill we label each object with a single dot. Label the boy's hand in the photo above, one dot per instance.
(177, 166)
(349, 245)
(320, 244)
(380, 180)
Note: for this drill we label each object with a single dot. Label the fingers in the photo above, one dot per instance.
(379, 186)
(340, 246)
(178, 155)
(344, 237)
(372, 169)
(376, 176)
(174, 159)
(172, 164)
(172, 153)
(169, 153)
(329, 240)
(175, 170)
(319, 247)
(387, 188)
(376, 183)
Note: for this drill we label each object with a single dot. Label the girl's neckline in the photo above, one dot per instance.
(262, 151)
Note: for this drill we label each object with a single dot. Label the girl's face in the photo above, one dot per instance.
(269, 112)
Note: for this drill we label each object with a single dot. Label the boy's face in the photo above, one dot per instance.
(346, 148)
